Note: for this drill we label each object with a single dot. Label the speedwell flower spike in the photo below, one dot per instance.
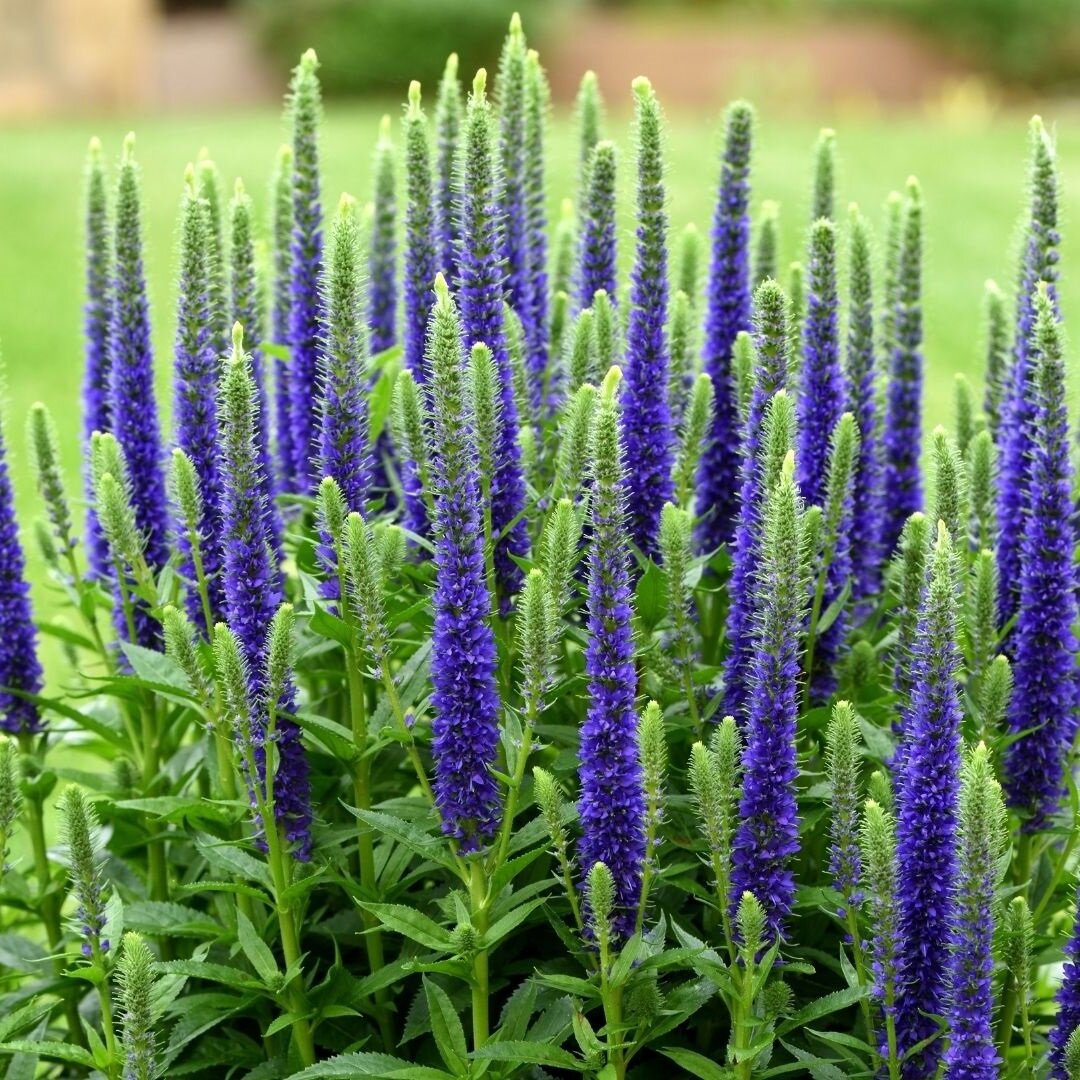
(421, 251)
(253, 585)
(768, 834)
(195, 375)
(1044, 644)
(589, 114)
(927, 825)
(903, 410)
(766, 246)
(862, 399)
(597, 242)
(480, 294)
(305, 272)
(646, 418)
(382, 250)
(208, 186)
(971, 1051)
(20, 668)
(448, 114)
(466, 697)
(133, 412)
(536, 317)
(727, 312)
(97, 315)
(821, 386)
(1039, 259)
(997, 355)
(612, 802)
(247, 310)
(281, 308)
(843, 747)
(343, 405)
(770, 376)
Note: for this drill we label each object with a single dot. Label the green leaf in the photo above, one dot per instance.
(499, 929)
(233, 860)
(696, 1065)
(348, 1066)
(529, 1053)
(25, 1017)
(156, 918)
(327, 625)
(818, 1068)
(258, 952)
(446, 1028)
(58, 1051)
(157, 670)
(180, 808)
(823, 1006)
(335, 737)
(412, 924)
(425, 844)
(211, 972)
(651, 595)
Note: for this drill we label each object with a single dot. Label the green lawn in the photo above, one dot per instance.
(973, 180)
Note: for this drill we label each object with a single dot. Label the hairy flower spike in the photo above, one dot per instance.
(903, 411)
(485, 405)
(208, 180)
(448, 115)
(1044, 642)
(695, 428)
(536, 317)
(927, 808)
(11, 797)
(950, 486)
(675, 554)
(343, 404)
(480, 292)
(646, 418)
(981, 615)
(995, 694)
(382, 290)
(82, 838)
(612, 803)
(843, 745)
(581, 366)
(571, 461)
(44, 452)
(823, 202)
(536, 638)
(861, 377)
(877, 837)
(982, 479)
(409, 418)
(97, 317)
(728, 312)
(19, 666)
(821, 392)
(247, 310)
(305, 271)
(971, 1051)
(964, 418)
(796, 316)
(282, 224)
(559, 552)
(133, 410)
(997, 355)
(421, 241)
(182, 646)
(253, 585)
(912, 558)
(768, 833)
(597, 232)
(135, 976)
(771, 349)
(466, 698)
(1064, 1052)
(682, 341)
(767, 244)
(196, 357)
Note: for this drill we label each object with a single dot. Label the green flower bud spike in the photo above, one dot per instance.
(652, 748)
(696, 425)
(553, 809)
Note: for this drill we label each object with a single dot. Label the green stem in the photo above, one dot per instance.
(514, 791)
(860, 964)
(481, 1021)
(105, 1000)
(1059, 871)
(1008, 1015)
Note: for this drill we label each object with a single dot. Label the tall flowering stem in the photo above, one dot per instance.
(770, 375)
(612, 802)
(537, 107)
(646, 417)
(448, 115)
(862, 398)
(903, 409)
(927, 807)
(421, 250)
(971, 1053)
(480, 294)
(727, 313)
(597, 242)
(382, 251)
(768, 835)
(1015, 436)
(247, 310)
(823, 201)
(132, 404)
(305, 270)
(343, 406)
(1044, 642)
(97, 312)
(997, 356)
(821, 389)
(463, 668)
(281, 314)
(253, 584)
(589, 116)
(195, 368)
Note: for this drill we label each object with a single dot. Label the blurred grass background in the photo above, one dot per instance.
(969, 150)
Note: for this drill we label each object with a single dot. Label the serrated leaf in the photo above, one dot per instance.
(157, 671)
(412, 924)
(528, 1053)
(501, 927)
(823, 1006)
(446, 1028)
(157, 918)
(56, 1051)
(211, 972)
(426, 845)
(348, 1066)
(696, 1065)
